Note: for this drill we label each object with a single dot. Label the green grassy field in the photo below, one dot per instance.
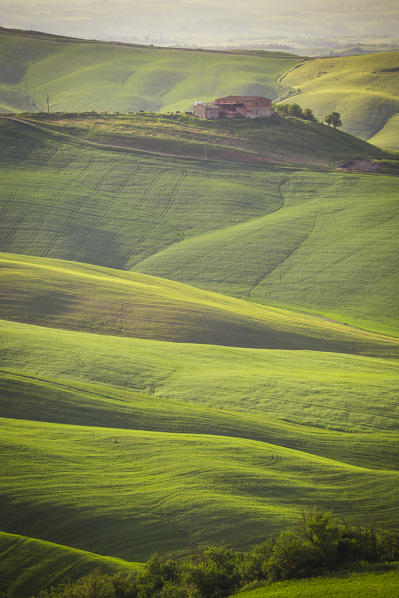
(363, 89)
(279, 236)
(81, 75)
(312, 254)
(27, 564)
(63, 401)
(256, 141)
(102, 300)
(192, 351)
(357, 585)
(388, 136)
(333, 390)
(128, 492)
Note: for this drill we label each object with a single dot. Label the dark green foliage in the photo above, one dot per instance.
(158, 578)
(93, 585)
(321, 544)
(334, 119)
(296, 110)
(292, 557)
(215, 575)
(308, 115)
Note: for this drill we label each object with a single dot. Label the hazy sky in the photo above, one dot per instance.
(204, 20)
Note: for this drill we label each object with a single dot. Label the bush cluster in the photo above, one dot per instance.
(321, 544)
(296, 110)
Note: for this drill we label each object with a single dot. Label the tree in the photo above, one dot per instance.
(334, 119)
(308, 115)
(295, 110)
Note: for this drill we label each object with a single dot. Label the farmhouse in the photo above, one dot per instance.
(233, 107)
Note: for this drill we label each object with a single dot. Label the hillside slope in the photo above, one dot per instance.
(142, 410)
(388, 136)
(79, 75)
(77, 297)
(250, 232)
(131, 492)
(283, 141)
(162, 468)
(378, 584)
(62, 401)
(28, 565)
(363, 89)
(316, 388)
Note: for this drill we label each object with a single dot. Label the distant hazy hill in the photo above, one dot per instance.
(85, 75)
(364, 89)
(80, 75)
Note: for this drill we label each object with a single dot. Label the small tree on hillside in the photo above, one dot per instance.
(334, 119)
(308, 115)
(295, 110)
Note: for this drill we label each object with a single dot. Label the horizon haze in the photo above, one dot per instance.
(299, 24)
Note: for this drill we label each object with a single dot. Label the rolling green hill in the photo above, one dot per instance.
(258, 141)
(388, 136)
(94, 299)
(377, 584)
(195, 349)
(27, 565)
(63, 401)
(158, 461)
(333, 390)
(252, 232)
(129, 492)
(363, 89)
(79, 75)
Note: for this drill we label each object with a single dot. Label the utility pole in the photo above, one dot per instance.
(48, 103)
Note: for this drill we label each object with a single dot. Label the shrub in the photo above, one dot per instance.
(321, 543)
(292, 558)
(216, 575)
(296, 110)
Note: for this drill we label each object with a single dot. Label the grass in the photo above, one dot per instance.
(289, 238)
(129, 492)
(28, 565)
(305, 387)
(313, 254)
(128, 424)
(388, 136)
(267, 140)
(379, 584)
(363, 89)
(61, 401)
(188, 446)
(99, 76)
(90, 298)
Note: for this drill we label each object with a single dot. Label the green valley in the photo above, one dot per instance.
(140, 491)
(247, 231)
(103, 300)
(199, 334)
